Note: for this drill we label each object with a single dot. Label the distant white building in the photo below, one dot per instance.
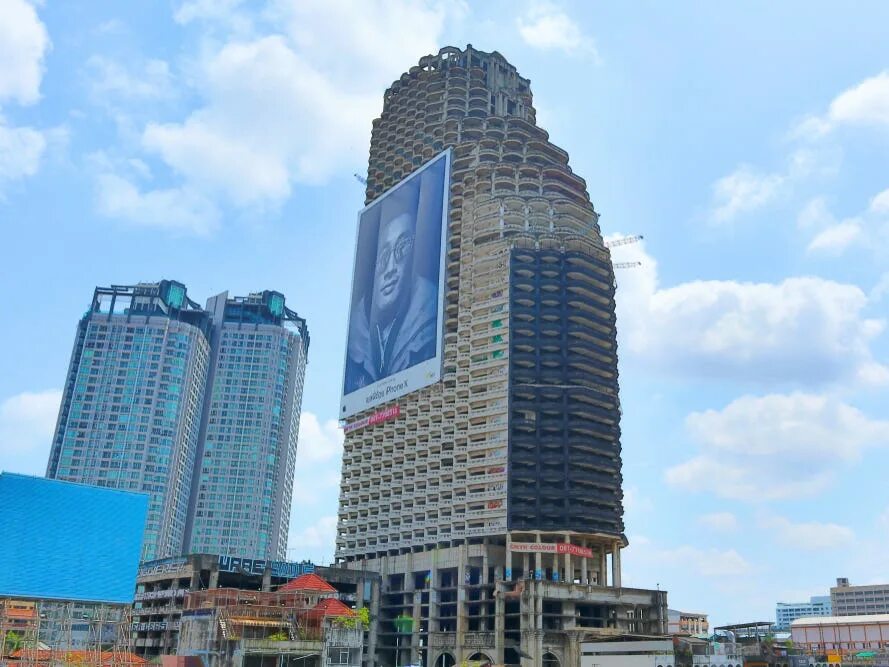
(656, 653)
(787, 612)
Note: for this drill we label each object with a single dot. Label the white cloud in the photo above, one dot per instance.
(316, 541)
(802, 330)
(547, 27)
(723, 522)
(834, 237)
(23, 46)
(20, 151)
(865, 104)
(319, 441)
(838, 238)
(27, 423)
(668, 562)
(742, 191)
(775, 447)
(110, 79)
(179, 210)
(808, 536)
(288, 92)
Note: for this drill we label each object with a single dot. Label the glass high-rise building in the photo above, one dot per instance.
(136, 414)
(491, 500)
(242, 491)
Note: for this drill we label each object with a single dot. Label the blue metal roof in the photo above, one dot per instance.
(67, 541)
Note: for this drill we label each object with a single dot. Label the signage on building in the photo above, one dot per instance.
(551, 548)
(256, 566)
(376, 418)
(163, 566)
(395, 337)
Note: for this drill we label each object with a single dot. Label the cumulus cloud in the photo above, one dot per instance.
(864, 104)
(24, 43)
(179, 209)
(644, 555)
(315, 541)
(723, 522)
(27, 422)
(802, 330)
(109, 79)
(775, 447)
(808, 536)
(548, 28)
(742, 191)
(869, 228)
(287, 93)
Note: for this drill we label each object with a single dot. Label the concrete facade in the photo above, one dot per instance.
(492, 506)
(847, 600)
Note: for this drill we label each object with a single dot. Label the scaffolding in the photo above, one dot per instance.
(49, 633)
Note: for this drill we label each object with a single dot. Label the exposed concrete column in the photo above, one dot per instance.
(499, 621)
(525, 569)
(569, 570)
(267, 579)
(508, 573)
(584, 576)
(603, 567)
(615, 566)
(214, 578)
(463, 556)
(538, 557)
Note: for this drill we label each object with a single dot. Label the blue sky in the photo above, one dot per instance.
(214, 142)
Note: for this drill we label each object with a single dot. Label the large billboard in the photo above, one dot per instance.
(66, 541)
(396, 313)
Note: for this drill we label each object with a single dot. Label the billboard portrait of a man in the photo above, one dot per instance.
(395, 314)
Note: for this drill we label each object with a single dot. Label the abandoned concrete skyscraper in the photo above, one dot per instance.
(490, 500)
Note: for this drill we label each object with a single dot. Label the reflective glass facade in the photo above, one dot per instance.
(156, 383)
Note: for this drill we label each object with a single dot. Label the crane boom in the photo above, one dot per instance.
(624, 240)
(626, 265)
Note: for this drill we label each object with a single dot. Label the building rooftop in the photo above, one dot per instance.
(863, 619)
(308, 582)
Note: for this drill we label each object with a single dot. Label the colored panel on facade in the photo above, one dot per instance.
(69, 541)
(395, 334)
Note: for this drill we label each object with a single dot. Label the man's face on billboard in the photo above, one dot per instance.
(394, 259)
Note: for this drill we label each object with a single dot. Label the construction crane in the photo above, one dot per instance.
(624, 240)
(626, 265)
(363, 180)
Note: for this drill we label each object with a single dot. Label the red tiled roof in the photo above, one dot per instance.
(308, 582)
(106, 658)
(330, 607)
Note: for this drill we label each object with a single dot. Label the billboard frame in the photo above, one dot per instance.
(424, 373)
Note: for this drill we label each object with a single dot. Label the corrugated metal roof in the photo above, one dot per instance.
(841, 620)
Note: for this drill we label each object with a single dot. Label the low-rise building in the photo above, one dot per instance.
(301, 623)
(787, 612)
(162, 587)
(847, 600)
(687, 623)
(637, 651)
(841, 635)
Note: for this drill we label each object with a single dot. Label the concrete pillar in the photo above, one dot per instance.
(461, 601)
(569, 569)
(538, 557)
(603, 567)
(499, 622)
(615, 566)
(584, 575)
(525, 570)
(214, 578)
(267, 579)
(508, 574)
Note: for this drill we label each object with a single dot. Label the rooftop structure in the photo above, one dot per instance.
(842, 635)
(490, 494)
